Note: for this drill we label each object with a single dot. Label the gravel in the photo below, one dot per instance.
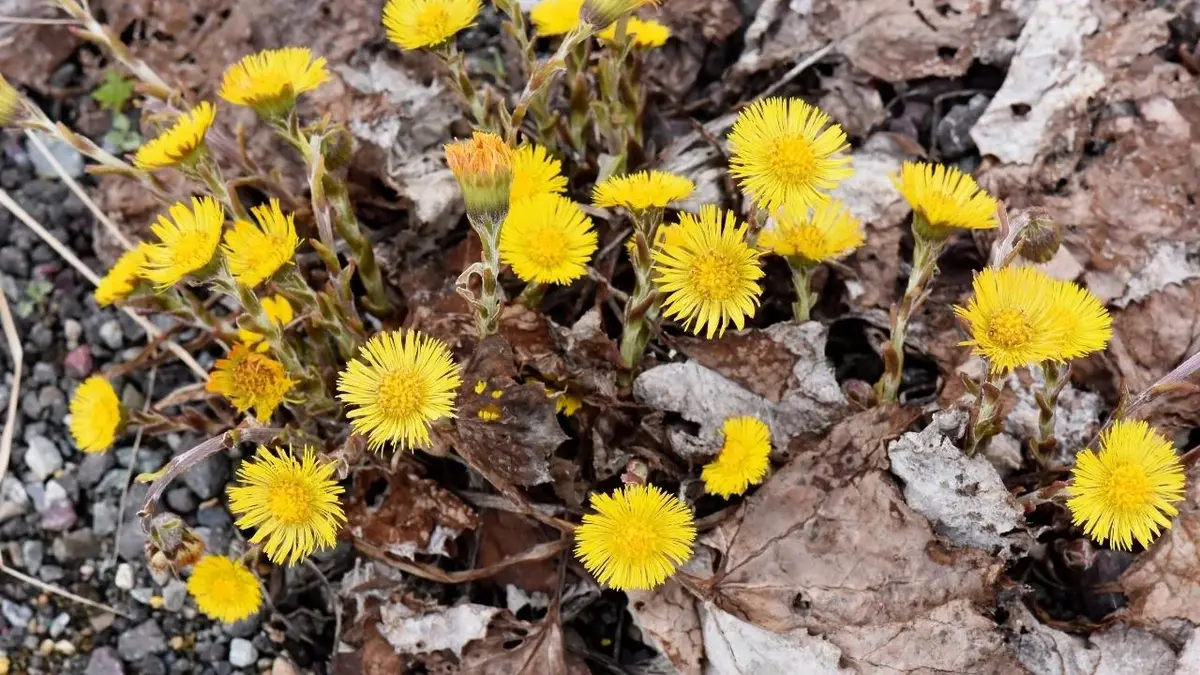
(33, 552)
(174, 595)
(242, 653)
(76, 546)
(146, 639)
(207, 478)
(93, 467)
(124, 578)
(104, 661)
(15, 614)
(42, 457)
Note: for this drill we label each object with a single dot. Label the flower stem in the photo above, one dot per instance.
(542, 76)
(924, 267)
(983, 419)
(491, 298)
(643, 306)
(532, 295)
(806, 299)
(1056, 378)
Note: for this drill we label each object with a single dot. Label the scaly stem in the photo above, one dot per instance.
(643, 306)
(460, 82)
(924, 267)
(532, 295)
(1055, 376)
(806, 299)
(491, 297)
(983, 419)
(205, 170)
(543, 75)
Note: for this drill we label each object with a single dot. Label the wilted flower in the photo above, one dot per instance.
(642, 190)
(224, 589)
(123, 277)
(819, 235)
(188, 241)
(413, 24)
(636, 539)
(95, 415)
(483, 165)
(547, 239)
(600, 13)
(250, 380)
(943, 198)
(743, 460)
(254, 253)
(270, 80)
(180, 143)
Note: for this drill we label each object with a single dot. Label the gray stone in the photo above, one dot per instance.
(246, 628)
(14, 500)
(43, 457)
(174, 595)
(72, 331)
(59, 624)
(146, 639)
(51, 398)
(242, 653)
(93, 467)
(76, 546)
(207, 478)
(111, 334)
(105, 516)
(34, 552)
(954, 129)
(56, 510)
(15, 614)
(124, 577)
(181, 500)
(68, 157)
(51, 573)
(131, 544)
(143, 595)
(104, 661)
(151, 665)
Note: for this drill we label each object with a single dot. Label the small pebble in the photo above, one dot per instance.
(46, 648)
(242, 653)
(124, 579)
(64, 647)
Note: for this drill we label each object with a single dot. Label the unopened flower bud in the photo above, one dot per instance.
(171, 544)
(601, 13)
(337, 147)
(483, 166)
(1040, 236)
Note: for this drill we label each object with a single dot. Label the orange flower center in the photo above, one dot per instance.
(792, 161)
(1010, 328)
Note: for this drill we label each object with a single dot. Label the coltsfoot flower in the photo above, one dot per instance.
(250, 380)
(785, 151)
(636, 539)
(600, 13)
(95, 415)
(483, 165)
(555, 17)
(1011, 319)
(278, 310)
(12, 106)
(1128, 490)
(1086, 324)
(401, 382)
(547, 239)
(743, 460)
(292, 504)
(224, 589)
(414, 24)
(643, 33)
(943, 198)
(188, 241)
(254, 253)
(708, 273)
(819, 235)
(123, 277)
(535, 172)
(642, 190)
(180, 143)
(269, 81)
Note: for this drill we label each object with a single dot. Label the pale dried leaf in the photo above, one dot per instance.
(538, 652)
(734, 647)
(669, 617)
(1117, 650)
(1163, 584)
(447, 628)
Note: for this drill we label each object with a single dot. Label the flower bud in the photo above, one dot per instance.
(483, 166)
(1038, 235)
(337, 147)
(171, 544)
(601, 13)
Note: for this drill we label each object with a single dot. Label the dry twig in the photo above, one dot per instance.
(18, 358)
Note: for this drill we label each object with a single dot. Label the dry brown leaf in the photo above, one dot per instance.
(533, 651)
(669, 617)
(504, 535)
(736, 647)
(1163, 584)
(413, 515)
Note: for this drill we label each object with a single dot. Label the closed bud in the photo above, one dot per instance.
(337, 147)
(171, 544)
(483, 166)
(1039, 236)
(601, 13)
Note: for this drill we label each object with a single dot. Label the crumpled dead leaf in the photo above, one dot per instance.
(669, 617)
(810, 401)
(962, 496)
(411, 632)
(413, 515)
(735, 647)
(1163, 584)
(524, 650)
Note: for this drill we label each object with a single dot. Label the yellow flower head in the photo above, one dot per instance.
(1087, 325)
(250, 380)
(943, 198)
(744, 459)
(255, 253)
(642, 33)
(547, 239)
(600, 13)
(535, 172)
(292, 503)
(224, 589)
(95, 415)
(188, 241)
(178, 144)
(708, 272)
(1129, 489)
(823, 234)
(483, 165)
(638, 536)
(401, 382)
(642, 190)
(270, 80)
(1010, 317)
(278, 310)
(123, 277)
(555, 17)
(784, 150)
(413, 24)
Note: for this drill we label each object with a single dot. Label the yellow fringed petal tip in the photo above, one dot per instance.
(1086, 324)
(11, 105)
(401, 382)
(1010, 317)
(187, 241)
(95, 415)
(785, 151)
(123, 277)
(708, 273)
(1128, 490)
(254, 253)
(555, 17)
(547, 239)
(743, 460)
(648, 33)
(179, 143)
(250, 380)
(414, 24)
(291, 503)
(483, 166)
(818, 235)
(269, 81)
(600, 13)
(535, 172)
(224, 589)
(943, 198)
(637, 537)
(278, 310)
(642, 190)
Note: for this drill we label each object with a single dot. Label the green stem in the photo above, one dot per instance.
(983, 419)
(491, 297)
(532, 295)
(924, 267)
(806, 299)
(643, 306)
(543, 75)
(1056, 377)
